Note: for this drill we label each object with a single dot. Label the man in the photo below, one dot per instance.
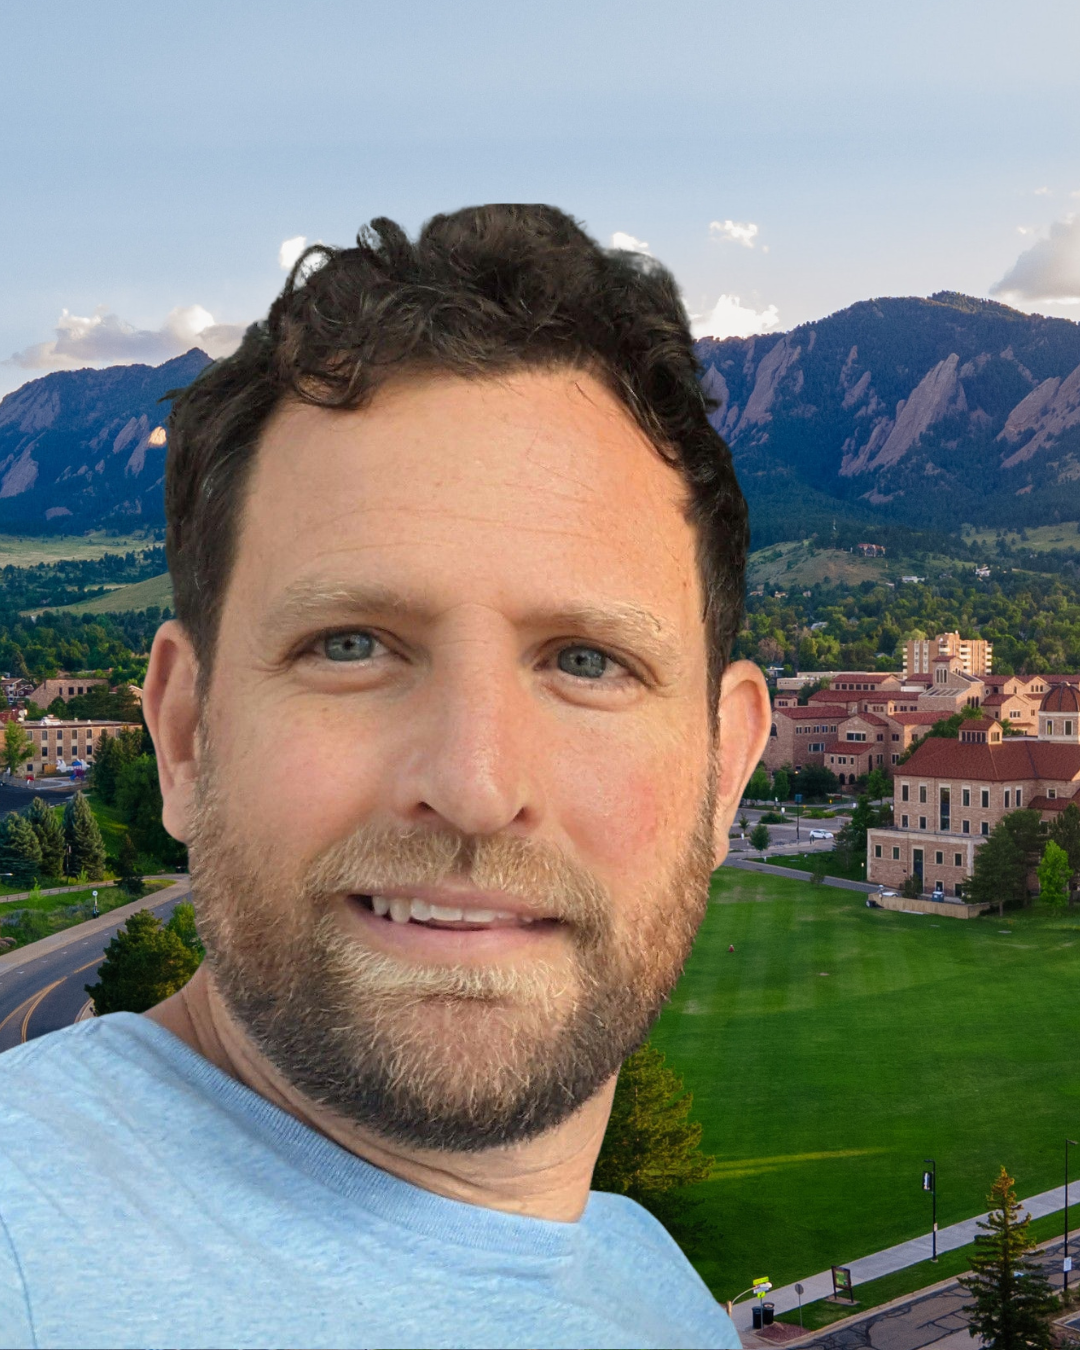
(447, 721)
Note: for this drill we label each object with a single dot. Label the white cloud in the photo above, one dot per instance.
(1049, 270)
(734, 232)
(628, 243)
(730, 318)
(103, 337)
(1027, 229)
(1042, 192)
(290, 250)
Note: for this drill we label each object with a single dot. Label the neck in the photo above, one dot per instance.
(543, 1178)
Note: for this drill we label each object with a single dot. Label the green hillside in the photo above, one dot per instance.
(127, 599)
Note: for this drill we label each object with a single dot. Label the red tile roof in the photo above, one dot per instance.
(849, 747)
(818, 710)
(1042, 803)
(1015, 758)
(995, 700)
(915, 719)
(872, 718)
(839, 695)
(866, 677)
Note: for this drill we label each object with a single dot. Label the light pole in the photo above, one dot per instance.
(929, 1183)
(1066, 1260)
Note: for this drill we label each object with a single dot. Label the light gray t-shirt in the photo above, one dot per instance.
(147, 1199)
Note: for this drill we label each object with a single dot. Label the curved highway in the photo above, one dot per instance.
(41, 985)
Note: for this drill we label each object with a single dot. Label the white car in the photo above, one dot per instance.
(821, 834)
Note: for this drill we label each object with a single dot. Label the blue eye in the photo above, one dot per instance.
(587, 661)
(348, 646)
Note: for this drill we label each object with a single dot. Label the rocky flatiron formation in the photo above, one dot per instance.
(920, 412)
(86, 448)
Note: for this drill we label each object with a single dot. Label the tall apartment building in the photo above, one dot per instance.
(975, 654)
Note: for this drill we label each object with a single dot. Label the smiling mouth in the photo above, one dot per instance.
(402, 911)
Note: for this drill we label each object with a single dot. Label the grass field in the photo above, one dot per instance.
(26, 551)
(139, 595)
(839, 1046)
(1040, 538)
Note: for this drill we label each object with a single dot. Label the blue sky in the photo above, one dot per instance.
(154, 158)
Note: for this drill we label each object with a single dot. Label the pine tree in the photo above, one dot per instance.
(84, 846)
(50, 835)
(20, 852)
(144, 963)
(1054, 874)
(650, 1146)
(999, 876)
(1013, 1300)
(128, 867)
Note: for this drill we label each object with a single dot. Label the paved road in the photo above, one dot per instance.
(16, 796)
(41, 986)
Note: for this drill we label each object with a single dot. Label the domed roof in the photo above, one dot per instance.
(1062, 698)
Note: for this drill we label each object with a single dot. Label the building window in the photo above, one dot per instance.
(1051, 793)
(944, 795)
(922, 793)
(922, 822)
(903, 792)
(1008, 798)
(877, 850)
(939, 857)
(965, 796)
(958, 860)
(1019, 796)
(773, 732)
(965, 827)
(896, 735)
(986, 827)
(1049, 727)
(903, 822)
(895, 758)
(896, 853)
(985, 798)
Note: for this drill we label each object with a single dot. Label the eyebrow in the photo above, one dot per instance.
(617, 621)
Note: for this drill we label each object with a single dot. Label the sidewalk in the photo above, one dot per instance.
(747, 866)
(57, 890)
(894, 1258)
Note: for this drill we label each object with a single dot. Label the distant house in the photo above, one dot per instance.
(982, 571)
(65, 687)
(871, 550)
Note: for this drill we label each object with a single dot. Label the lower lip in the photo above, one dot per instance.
(451, 944)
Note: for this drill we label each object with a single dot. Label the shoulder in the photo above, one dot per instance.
(642, 1258)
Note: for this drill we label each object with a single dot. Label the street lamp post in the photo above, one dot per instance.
(1066, 1260)
(929, 1183)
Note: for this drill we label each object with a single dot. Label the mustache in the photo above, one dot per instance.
(376, 858)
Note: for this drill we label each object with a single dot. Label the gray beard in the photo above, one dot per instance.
(459, 1058)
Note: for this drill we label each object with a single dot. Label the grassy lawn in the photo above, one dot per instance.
(805, 862)
(28, 920)
(839, 1046)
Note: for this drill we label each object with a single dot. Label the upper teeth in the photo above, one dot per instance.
(401, 910)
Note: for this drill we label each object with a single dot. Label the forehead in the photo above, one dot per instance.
(539, 480)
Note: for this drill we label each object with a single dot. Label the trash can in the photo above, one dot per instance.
(757, 1317)
(767, 1313)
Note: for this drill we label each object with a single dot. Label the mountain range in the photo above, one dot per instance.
(896, 412)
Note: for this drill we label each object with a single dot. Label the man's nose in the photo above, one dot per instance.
(473, 747)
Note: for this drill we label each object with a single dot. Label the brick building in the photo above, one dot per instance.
(798, 736)
(974, 654)
(54, 738)
(65, 687)
(951, 793)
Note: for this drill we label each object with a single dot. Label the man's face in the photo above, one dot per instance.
(461, 659)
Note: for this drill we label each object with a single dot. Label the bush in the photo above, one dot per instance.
(911, 888)
(772, 818)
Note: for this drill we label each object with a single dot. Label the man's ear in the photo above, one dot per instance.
(743, 722)
(171, 709)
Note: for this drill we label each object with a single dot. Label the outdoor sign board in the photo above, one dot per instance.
(841, 1283)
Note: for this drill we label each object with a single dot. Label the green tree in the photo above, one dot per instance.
(128, 867)
(138, 799)
(999, 875)
(58, 708)
(18, 747)
(20, 852)
(1065, 832)
(84, 848)
(759, 786)
(1054, 875)
(144, 963)
(50, 837)
(781, 785)
(650, 1146)
(1013, 1301)
(911, 888)
(878, 785)
(112, 754)
(850, 845)
(1029, 833)
(182, 923)
(815, 780)
(760, 837)
(34, 713)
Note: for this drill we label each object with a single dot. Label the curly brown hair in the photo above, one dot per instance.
(481, 291)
